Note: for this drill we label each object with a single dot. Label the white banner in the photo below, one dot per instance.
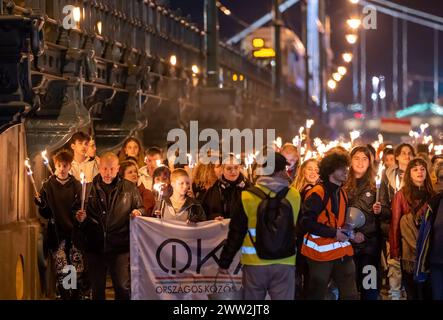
(176, 261)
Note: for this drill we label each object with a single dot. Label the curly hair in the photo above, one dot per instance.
(204, 175)
(332, 161)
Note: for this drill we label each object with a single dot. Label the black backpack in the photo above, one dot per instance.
(275, 232)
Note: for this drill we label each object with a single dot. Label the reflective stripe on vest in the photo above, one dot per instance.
(326, 247)
(321, 248)
(252, 232)
(248, 250)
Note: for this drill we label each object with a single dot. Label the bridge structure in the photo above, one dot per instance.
(127, 68)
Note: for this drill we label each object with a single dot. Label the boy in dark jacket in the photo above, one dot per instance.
(105, 225)
(56, 203)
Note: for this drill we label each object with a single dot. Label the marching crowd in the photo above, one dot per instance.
(293, 227)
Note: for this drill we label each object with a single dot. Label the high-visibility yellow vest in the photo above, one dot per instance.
(250, 203)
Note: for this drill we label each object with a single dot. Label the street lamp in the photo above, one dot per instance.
(354, 23)
(336, 76)
(342, 70)
(332, 84)
(351, 38)
(347, 57)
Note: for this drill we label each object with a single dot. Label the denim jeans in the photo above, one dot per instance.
(118, 266)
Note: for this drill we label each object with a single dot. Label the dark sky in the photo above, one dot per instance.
(379, 42)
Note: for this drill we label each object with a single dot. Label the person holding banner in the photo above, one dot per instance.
(264, 271)
(180, 206)
(105, 226)
(58, 196)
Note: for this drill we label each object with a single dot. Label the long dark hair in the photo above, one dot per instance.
(140, 157)
(408, 184)
(369, 176)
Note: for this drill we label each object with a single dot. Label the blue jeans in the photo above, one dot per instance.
(437, 281)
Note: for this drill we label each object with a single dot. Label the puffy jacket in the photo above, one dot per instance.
(106, 228)
(388, 188)
(223, 197)
(191, 209)
(363, 198)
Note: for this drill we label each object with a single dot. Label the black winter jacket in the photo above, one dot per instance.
(106, 228)
(223, 197)
(363, 198)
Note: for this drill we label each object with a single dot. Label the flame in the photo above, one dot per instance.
(278, 142)
(45, 158)
(309, 123)
(158, 187)
(427, 139)
(438, 149)
(28, 167)
(431, 146)
(380, 138)
(82, 178)
(423, 127)
(381, 167)
(249, 159)
(300, 131)
(158, 163)
(354, 135)
(296, 141)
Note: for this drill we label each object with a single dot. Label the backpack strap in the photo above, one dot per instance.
(258, 192)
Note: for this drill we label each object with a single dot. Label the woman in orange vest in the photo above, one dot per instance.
(326, 246)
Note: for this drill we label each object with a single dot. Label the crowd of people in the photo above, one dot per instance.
(314, 254)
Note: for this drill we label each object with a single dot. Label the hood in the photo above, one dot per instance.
(143, 171)
(391, 174)
(275, 184)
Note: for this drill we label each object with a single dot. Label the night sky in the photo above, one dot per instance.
(379, 42)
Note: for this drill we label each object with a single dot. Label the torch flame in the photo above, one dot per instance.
(423, 127)
(28, 167)
(296, 141)
(380, 138)
(45, 158)
(354, 135)
(82, 178)
(381, 167)
(309, 123)
(278, 142)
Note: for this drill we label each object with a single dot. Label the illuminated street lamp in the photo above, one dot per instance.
(354, 23)
(342, 70)
(351, 38)
(336, 76)
(347, 57)
(332, 84)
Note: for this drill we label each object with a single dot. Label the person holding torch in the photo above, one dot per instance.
(58, 198)
(362, 193)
